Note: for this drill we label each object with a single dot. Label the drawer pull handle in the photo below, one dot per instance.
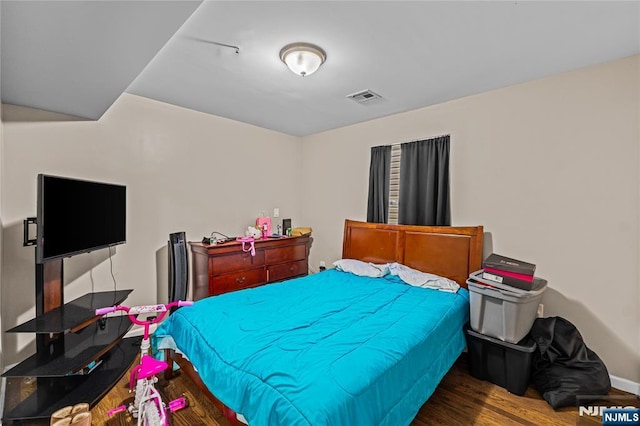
(292, 268)
(240, 280)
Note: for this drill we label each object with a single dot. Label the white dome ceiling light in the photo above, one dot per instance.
(303, 58)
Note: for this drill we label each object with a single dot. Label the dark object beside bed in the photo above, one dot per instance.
(565, 370)
(503, 363)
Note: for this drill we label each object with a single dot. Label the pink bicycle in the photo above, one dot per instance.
(147, 406)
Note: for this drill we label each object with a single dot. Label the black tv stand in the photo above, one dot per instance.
(79, 356)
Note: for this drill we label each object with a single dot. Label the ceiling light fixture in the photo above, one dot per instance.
(303, 58)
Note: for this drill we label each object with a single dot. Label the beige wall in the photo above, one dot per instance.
(1, 216)
(550, 168)
(1, 226)
(184, 171)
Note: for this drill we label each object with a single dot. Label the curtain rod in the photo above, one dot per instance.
(418, 140)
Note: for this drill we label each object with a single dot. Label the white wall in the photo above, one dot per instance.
(1, 217)
(184, 171)
(550, 168)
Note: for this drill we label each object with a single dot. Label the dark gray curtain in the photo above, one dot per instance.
(424, 183)
(379, 171)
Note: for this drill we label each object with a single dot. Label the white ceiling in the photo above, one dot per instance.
(413, 54)
(77, 57)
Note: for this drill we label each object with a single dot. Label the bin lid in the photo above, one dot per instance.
(539, 285)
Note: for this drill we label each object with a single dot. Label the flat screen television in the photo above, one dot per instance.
(78, 216)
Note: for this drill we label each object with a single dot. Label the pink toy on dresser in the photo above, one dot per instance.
(264, 223)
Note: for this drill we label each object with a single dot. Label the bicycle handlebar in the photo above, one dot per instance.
(106, 310)
(134, 311)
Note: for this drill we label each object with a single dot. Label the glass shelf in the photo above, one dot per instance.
(80, 349)
(72, 314)
(50, 394)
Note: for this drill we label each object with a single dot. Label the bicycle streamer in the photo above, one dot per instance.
(251, 242)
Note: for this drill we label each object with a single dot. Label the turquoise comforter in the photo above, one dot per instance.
(328, 349)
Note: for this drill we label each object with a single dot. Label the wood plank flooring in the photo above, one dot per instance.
(460, 399)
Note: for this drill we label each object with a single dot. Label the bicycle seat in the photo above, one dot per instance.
(150, 366)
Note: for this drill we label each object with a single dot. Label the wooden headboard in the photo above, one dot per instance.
(448, 251)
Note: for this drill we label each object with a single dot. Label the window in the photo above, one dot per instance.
(394, 185)
(409, 183)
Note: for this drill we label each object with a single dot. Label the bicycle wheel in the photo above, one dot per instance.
(151, 414)
(140, 391)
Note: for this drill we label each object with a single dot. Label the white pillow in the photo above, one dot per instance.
(422, 279)
(363, 269)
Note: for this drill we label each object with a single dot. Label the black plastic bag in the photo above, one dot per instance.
(565, 371)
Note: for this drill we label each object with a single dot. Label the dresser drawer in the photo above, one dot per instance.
(286, 254)
(233, 262)
(237, 281)
(222, 268)
(287, 270)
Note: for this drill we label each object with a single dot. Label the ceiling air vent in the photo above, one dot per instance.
(366, 97)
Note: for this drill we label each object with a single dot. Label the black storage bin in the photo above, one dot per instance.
(503, 363)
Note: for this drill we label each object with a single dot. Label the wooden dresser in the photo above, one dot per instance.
(225, 267)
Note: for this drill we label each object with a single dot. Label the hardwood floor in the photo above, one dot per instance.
(199, 412)
(460, 399)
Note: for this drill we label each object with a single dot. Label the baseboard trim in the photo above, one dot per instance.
(625, 385)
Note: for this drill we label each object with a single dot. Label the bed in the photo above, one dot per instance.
(334, 347)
